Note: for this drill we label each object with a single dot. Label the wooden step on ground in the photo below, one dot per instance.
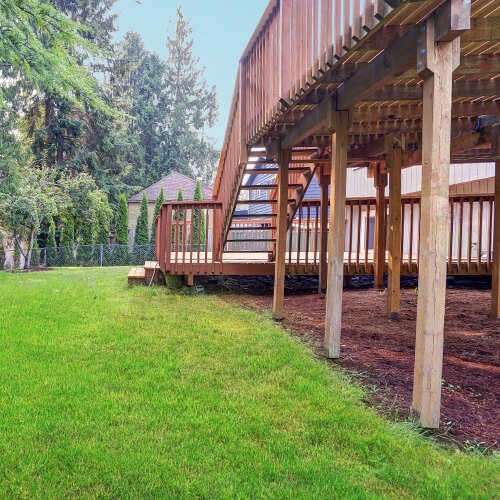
(151, 268)
(136, 276)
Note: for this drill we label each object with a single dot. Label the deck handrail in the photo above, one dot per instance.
(189, 233)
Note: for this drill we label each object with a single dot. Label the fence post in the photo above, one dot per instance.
(100, 256)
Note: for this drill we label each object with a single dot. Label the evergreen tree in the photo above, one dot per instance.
(140, 87)
(198, 217)
(193, 108)
(102, 240)
(158, 203)
(121, 219)
(66, 253)
(171, 106)
(120, 254)
(179, 216)
(141, 236)
(50, 245)
(82, 138)
(84, 248)
(45, 46)
(35, 255)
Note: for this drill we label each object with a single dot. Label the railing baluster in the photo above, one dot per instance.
(207, 234)
(316, 214)
(410, 240)
(358, 242)
(349, 243)
(307, 232)
(490, 233)
(469, 253)
(480, 234)
(450, 242)
(418, 233)
(460, 233)
(299, 235)
(367, 233)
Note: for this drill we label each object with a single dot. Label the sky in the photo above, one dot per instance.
(221, 30)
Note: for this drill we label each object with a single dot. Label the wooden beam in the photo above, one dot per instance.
(380, 182)
(282, 224)
(336, 236)
(495, 277)
(321, 117)
(441, 61)
(323, 242)
(451, 20)
(461, 89)
(414, 111)
(394, 160)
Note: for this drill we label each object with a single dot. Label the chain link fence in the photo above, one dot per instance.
(79, 256)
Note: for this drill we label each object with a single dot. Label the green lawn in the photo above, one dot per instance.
(113, 391)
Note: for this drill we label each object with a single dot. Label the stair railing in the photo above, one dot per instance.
(295, 43)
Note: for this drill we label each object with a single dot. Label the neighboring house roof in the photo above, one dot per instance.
(171, 184)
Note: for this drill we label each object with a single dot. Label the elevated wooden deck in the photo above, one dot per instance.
(326, 85)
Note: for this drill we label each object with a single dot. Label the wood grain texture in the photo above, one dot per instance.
(336, 236)
(282, 224)
(433, 230)
(393, 158)
(495, 281)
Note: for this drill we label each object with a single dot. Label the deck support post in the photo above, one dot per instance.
(336, 244)
(394, 162)
(323, 242)
(436, 66)
(495, 277)
(380, 181)
(284, 157)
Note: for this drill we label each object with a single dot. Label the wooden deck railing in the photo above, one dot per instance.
(469, 239)
(189, 240)
(294, 44)
(191, 235)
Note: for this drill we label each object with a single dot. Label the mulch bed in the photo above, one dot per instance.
(383, 351)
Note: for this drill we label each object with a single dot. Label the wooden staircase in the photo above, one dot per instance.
(300, 174)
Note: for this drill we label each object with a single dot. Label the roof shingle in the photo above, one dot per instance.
(171, 184)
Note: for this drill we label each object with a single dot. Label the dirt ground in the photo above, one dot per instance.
(383, 351)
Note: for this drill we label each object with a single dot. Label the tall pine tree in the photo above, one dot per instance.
(158, 203)
(141, 236)
(121, 221)
(120, 254)
(178, 216)
(193, 108)
(102, 249)
(198, 217)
